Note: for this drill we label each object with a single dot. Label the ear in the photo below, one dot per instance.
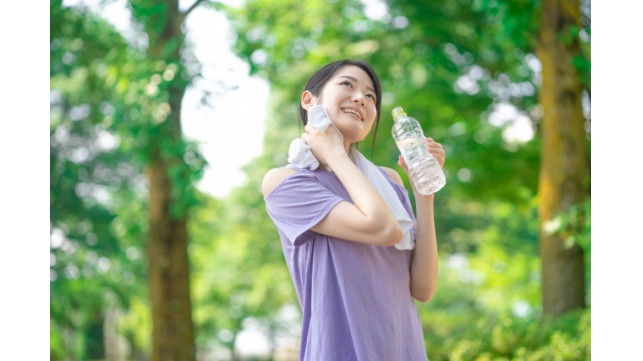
(307, 100)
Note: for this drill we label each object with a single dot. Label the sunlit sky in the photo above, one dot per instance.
(231, 132)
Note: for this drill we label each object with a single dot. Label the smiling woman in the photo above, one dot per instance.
(347, 229)
(349, 92)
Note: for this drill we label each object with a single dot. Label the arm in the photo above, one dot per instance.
(424, 259)
(367, 219)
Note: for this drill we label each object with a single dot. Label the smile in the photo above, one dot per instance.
(351, 111)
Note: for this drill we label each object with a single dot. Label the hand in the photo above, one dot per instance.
(436, 149)
(324, 144)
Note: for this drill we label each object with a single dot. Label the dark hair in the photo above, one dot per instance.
(318, 80)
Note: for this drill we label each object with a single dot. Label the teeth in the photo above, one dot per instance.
(351, 112)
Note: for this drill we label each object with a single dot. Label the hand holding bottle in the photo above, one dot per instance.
(423, 157)
(436, 149)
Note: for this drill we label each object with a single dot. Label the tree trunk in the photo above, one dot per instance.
(172, 334)
(94, 336)
(563, 158)
(172, 324)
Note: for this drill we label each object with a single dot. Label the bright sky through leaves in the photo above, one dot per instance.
(229, 130)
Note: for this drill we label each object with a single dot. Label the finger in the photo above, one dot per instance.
(443, 158)
(402, 163)
(308, 133)
(438, 153)
(434, 143)
(439, 150)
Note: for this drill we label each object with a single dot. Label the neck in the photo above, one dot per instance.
(348, 146)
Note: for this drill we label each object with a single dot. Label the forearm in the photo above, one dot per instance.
(363, 194)
(424, 263)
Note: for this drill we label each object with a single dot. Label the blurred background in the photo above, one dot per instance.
(164, 116)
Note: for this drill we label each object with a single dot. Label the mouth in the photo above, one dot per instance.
(352, 112)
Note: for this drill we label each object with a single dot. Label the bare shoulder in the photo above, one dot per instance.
(274, 177)
(395, 176)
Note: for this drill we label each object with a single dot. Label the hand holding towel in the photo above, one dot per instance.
(300, 156)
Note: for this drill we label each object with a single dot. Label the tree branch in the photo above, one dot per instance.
(194, 6)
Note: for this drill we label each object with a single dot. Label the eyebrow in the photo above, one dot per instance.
(355, 80)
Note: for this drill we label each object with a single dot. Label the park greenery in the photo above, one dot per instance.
(142, 261)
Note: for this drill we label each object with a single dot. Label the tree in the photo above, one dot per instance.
(564, 164)
(134, 94)
(170, 176)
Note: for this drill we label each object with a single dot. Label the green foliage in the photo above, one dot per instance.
(110, 115)
(91, 182)
(574, 226)
(420, 51)
(449, 64)
(239, 272)
(521, 339)
(152, 15)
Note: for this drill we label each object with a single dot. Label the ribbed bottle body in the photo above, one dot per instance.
(424, 170)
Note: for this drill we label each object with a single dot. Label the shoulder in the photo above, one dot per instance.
(274, 177)
(395, 176)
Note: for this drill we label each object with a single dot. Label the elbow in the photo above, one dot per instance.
(390, 235)
(424, 295)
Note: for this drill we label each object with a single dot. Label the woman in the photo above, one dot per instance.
(338, 232)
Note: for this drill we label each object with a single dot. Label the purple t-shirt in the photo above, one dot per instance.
(355, 298)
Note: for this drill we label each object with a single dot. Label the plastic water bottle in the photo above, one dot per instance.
(424, 170)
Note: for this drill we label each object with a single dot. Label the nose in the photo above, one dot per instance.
(358, 97)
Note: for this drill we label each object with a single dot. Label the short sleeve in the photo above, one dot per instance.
(298, 203)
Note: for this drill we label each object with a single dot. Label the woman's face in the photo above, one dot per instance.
(350, 99)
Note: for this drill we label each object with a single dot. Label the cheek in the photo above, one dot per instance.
(334, 114)
(327, 103)
(372, 114)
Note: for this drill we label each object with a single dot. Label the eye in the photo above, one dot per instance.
(346, 82)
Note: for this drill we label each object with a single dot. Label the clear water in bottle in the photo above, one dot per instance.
(424, 170)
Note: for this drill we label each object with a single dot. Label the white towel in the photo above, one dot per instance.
(300, 156)
(299, 153)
